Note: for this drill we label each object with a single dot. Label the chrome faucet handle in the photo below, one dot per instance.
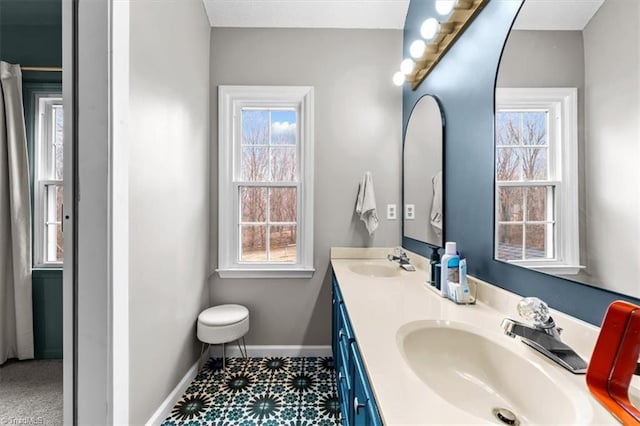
(536, 311)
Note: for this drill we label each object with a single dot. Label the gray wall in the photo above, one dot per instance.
(168, 195)
(86, 275)
(612, 147)
(357, 128)
(550, 59)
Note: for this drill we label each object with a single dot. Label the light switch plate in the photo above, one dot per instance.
(410, 211)
(391, 212)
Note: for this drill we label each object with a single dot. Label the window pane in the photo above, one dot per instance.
(54, 241)
(253, 204)
(510, 242)
(283, 204)
(54, 197)
(534, 163)
(254, 243)
(59, 202)
(58, 143)
(283, 127)
(536, 242)
(508, 164)
(53, 238)
(255, 164)
(508, 128)
(255, 127)
(534, 128)
(282, 244)
(283, 164)
(537, 203)
(510, 204)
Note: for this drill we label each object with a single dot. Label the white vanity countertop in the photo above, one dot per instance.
(378, 307)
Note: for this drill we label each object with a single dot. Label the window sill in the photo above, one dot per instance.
(53, 267)
(266, 273)
(558, 269)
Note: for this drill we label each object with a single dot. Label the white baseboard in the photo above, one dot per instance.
(164, 409)
(264, 350)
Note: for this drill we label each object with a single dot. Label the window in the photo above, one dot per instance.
(265, 195)
(536, 219)
(48, 181)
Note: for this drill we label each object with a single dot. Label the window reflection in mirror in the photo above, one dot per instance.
(567, 108)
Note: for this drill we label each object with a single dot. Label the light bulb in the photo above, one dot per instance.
(444, 7)
(429, 28)
(398, 78)
(416, 50)
(407, 66)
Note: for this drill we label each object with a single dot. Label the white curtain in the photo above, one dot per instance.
(16, 312)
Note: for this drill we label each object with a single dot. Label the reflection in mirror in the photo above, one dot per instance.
(423, 195)
(566, 160)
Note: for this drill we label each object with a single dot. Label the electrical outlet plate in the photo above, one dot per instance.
(410, 211)
(391, 212)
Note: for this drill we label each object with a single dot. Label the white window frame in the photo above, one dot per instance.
(562, 104)
(231, 100)
(44, 103)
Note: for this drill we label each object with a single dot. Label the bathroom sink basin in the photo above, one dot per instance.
(376, 270)
(477, 373)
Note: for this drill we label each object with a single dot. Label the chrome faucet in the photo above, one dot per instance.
(544, 336)
(402, 258)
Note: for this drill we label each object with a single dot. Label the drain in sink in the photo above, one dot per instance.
(505, 416)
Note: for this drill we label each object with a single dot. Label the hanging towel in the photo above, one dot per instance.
(366, 204)
(436, 204)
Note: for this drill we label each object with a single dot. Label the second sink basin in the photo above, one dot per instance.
(477, 374)
(376, 270)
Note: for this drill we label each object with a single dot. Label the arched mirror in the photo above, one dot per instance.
(422, 173)
(567, 143)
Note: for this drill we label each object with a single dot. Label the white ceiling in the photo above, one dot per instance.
(556, 14)
(389, 14)
(375, 14)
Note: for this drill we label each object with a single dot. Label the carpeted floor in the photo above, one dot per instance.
(278, 391)
(31, 393)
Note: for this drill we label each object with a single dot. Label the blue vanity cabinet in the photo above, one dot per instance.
(365, 411)
(342, 338)
(356, 397)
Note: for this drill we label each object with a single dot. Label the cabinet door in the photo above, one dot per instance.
(345, 394)
(365, 412)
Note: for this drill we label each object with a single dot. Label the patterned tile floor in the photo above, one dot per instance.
(261, 392)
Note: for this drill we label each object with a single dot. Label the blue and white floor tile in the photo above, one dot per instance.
(277, 391)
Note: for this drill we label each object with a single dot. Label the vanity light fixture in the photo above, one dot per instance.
(417, 48)
(429, 29)
(441, 36)
(398, 78)
(407, 66)
(444, 7)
